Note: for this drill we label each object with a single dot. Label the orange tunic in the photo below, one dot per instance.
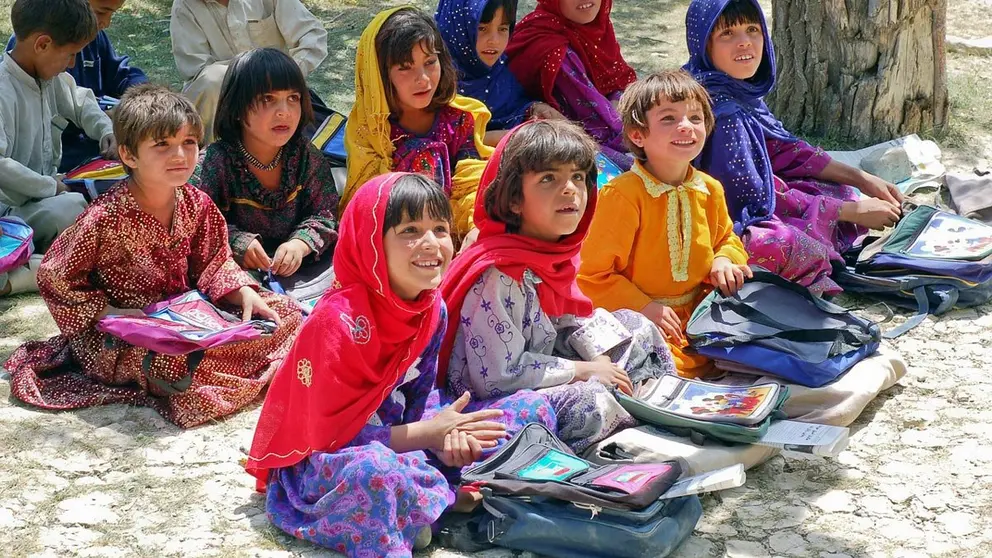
(652, 241)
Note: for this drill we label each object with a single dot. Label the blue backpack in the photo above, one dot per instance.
(16, 243)
(931, 262)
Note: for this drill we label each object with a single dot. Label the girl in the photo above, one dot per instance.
(476, 33)
(789, 201)
(407, 116)
(566, 54)
(373, 464)
(661, 238)
(150, 238)
(517, 318)
(273, 187)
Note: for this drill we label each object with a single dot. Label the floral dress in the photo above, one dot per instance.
(366, 500)
(435, 154)
(506, 342)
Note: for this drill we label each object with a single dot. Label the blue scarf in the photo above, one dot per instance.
(740, 110)
(496, 87)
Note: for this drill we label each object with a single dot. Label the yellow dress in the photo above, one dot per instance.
(367, 134)
(654, 242)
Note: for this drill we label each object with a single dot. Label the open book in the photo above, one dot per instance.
(746, 405)
(721, 479)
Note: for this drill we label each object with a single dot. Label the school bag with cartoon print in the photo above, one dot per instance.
(539, 496)
(931, 262)
(16, 243)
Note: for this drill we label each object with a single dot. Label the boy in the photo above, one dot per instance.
(99, 68)
(146, 240)
(207, 34)
(37, 100)
(661, 232)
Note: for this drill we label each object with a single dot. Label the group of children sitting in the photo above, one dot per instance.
(470, 131)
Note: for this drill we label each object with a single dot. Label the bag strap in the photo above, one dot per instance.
(779, 281)
(922, 294)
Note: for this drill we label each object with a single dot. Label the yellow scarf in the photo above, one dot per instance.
(370, 150)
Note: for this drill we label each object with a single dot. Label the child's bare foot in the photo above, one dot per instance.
(466, 501)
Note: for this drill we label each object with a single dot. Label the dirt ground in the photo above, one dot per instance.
(916, 481)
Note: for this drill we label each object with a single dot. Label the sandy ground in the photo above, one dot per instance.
(916, 481)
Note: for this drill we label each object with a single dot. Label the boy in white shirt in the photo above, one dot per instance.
(37, 100)
(207, 34)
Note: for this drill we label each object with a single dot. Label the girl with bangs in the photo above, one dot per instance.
(517, 318)
(274, 188)
(354, 446)
(407, 115)
(477, 32)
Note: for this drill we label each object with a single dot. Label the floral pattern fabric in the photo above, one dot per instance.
(366, 500)
(304, 206)
(506, 342)
(435, 154)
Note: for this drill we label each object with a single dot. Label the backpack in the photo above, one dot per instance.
(538, 496)
(95, 177)
(779, 328)
(606, 170)
(931, 262)
(674, 411)
(16, 243)
(329, 138)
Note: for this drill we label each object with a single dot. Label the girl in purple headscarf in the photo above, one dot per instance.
(477, 32)
(791, 203)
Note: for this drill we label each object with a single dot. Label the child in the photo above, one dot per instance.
(99, 68)
(661, 236)
(407, 116)
(150, 238)
(352, 441)
(273, 187)
(207, 34)
(566, 53)
(37, 100)
(517, 318)
(476, 33)
(789, 201)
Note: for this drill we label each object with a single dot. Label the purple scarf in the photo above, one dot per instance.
(736, 153)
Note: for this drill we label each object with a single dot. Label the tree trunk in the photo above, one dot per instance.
(860, 71)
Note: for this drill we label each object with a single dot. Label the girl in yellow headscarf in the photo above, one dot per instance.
(407, 117)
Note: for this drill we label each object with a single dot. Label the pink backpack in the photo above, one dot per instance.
(183, 324)
(16, 245)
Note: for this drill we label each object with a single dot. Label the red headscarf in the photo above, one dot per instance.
(556, 263)
(351, 351)
(538, 44)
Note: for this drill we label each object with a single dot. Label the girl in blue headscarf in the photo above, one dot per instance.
(476, 33)
(790, 202)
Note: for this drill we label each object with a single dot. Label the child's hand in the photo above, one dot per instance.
(112, 311)
(728, 276)
(545, 111)
(108, 147)
(666, 319)
(603, 370)
(461, 449)
(479, 425)
(872, 213)
(289, 256)
(255, 257)
(875, 187)
(60, 186)
(251, 303)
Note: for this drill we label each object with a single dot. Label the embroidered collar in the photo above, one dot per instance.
(656, 187)
(679, 215)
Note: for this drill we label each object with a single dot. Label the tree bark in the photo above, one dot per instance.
(860, 71)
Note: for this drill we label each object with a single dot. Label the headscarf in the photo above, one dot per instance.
(739, 104)
(555, 263)
(540, 41)
(367, 134)
(358, 342)
(497, 87)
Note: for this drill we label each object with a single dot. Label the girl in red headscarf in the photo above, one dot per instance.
(517, 317)
(566, 54)
(352, 445)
